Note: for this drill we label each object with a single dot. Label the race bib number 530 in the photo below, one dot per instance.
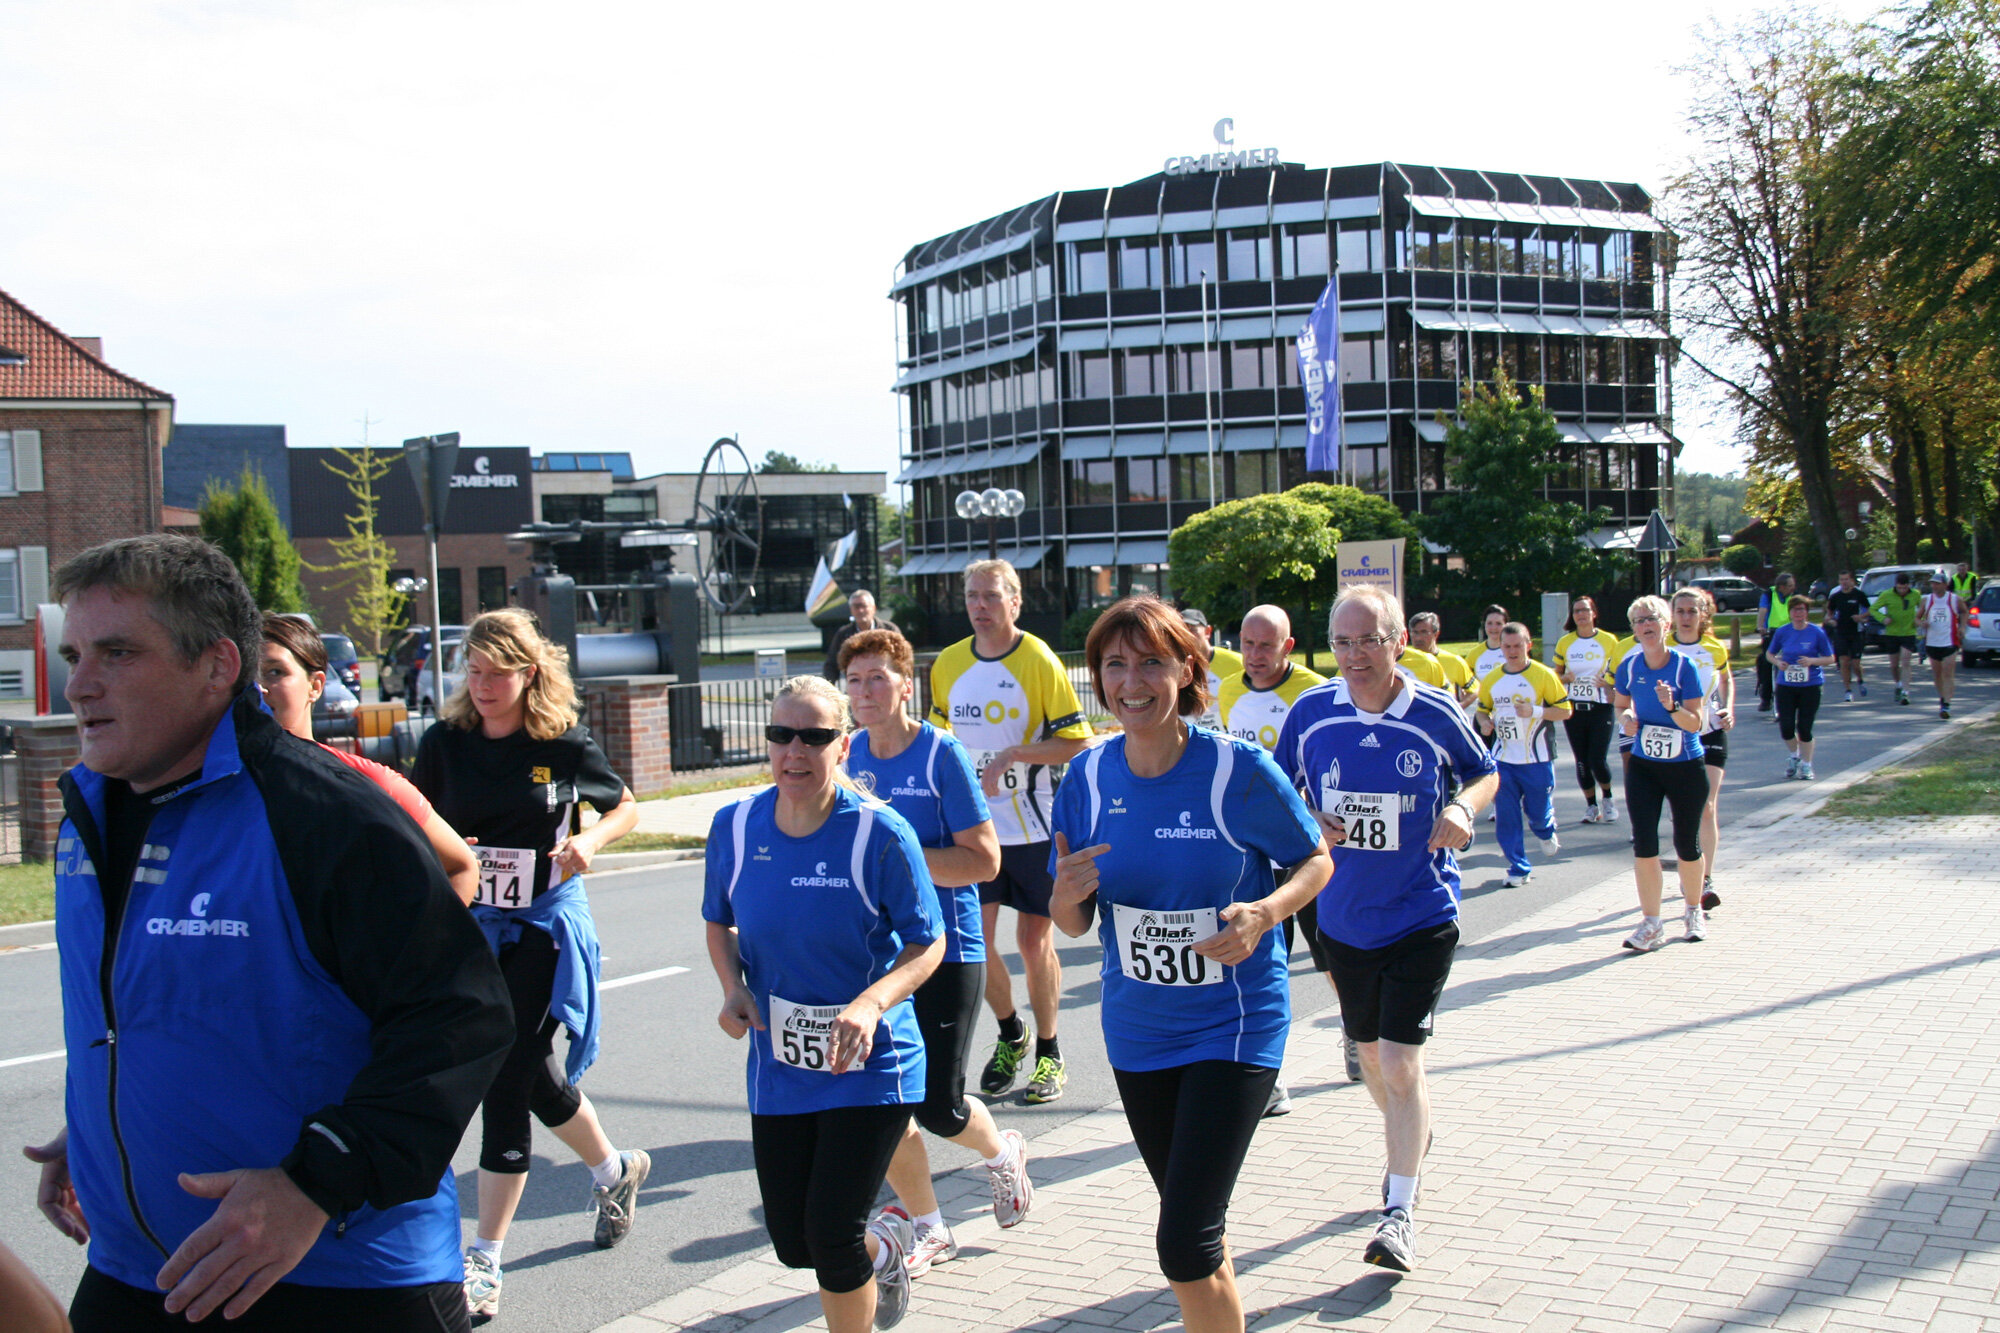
(1157, 947)
(802, 1034)
(506, 876)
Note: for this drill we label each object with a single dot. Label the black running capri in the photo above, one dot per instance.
(947, 1008)
(1589, 729)
(1681, 785)
(1797, 706)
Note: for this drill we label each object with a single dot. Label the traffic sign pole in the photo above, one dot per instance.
(432, 460)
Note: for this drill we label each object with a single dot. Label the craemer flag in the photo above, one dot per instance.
(1319, 369)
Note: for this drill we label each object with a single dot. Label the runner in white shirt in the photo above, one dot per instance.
(1941, 623)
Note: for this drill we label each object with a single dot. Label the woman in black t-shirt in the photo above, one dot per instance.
(508, 766)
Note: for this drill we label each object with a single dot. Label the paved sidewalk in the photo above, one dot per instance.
(1789, 1125)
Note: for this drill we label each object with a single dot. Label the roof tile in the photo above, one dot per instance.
(54, 366)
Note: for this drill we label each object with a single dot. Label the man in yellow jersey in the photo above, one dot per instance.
(1772, 613)
(1425, 629)
(1222, 664)
(1519, 703)
(1009, 701)
(1418, 665)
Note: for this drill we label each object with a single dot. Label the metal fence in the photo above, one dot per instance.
(10, 807)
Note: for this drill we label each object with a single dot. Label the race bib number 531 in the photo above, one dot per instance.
(506, 876)
(1157, 947)
(1661, 742)
(802, 1034)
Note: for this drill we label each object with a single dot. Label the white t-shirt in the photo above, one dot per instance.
(1939, 618)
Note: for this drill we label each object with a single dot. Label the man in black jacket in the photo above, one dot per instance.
(861, 606)
(278, 1017)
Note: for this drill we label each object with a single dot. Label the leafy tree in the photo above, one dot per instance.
(1227, 559)
(364, 556)
(777, 460)
(1742, 559)
(1356, 516)
(1514, 543)
(242, 520)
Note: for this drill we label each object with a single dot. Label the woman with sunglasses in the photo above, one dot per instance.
(508, 764)
(1663, 707)
(1585, 659)
(293, 676)
(926, 777)
(1694, 613)
(822, 922)
(1168, 834)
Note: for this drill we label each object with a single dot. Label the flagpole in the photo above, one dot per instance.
(1208, 369)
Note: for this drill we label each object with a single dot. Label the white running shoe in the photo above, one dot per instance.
(1590, 815)
(1516, 881)
(934, 1245)
(1013, 1192)
(482, 1283)
(1791, 767)
(892, 1279)
(1610, 811)
(1694, 924)
(1806, 773)
(1649, 936)
(1551, 844)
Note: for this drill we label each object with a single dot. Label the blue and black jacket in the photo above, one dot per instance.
(291, 982)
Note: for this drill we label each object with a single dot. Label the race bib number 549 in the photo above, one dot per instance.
(1157, 947)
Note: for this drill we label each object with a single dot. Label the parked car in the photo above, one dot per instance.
(454, 675)
(343, 661)
(404, 657)
(1982, 630)
(1881, 579)
(333, 714)
(1731, 592)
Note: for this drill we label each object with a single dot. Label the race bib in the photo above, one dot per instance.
(1012, 779)
(802, 1034)
(1797, 675)
(1586, 690)
(1512, 730)
(1157, 947)
(1661, 742)
(506, 876)
(1374, 819)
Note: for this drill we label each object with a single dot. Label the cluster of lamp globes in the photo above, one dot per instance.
(990, 503)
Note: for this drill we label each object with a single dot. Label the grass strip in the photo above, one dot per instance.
(1957, 776)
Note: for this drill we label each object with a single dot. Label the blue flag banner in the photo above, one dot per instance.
(1319, 370)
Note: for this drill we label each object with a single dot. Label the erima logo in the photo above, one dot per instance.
(763, 854)
(1369, 742)
(196, 922)
(1118, 806)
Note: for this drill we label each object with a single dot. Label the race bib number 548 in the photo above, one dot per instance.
(1373, 819)
(1157, 947)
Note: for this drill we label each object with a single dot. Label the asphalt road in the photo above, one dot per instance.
(670, 1082)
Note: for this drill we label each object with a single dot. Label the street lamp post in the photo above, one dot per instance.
(991, 504)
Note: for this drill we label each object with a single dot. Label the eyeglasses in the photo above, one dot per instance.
(1645, 620)
(813, 736)
(1363, 643)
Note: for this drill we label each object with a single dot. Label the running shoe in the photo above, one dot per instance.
(1013, 1192)
(1046, 1085)
(1395, 1242)
(1649, 936)
(1694, 924)
(616, 1204)
(1806, 773)
(1518, 878)
(1902, 696)
(892, 1278)
(1610, 811)
(482, 1284)
(1861, 688)
(1590, 815)
(1280, 1100)
(1551, 844)
(1945, 714)
(1791, 767)
(1353, 1053)
(1004, 1067)
(1847, 696)
(1764, 707)
(933, 1245)
(1710, 899)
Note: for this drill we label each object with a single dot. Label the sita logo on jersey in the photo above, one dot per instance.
(1184, 830)
(819, 879)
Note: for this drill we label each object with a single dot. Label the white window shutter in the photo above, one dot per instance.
(34, 579)
(28, 463)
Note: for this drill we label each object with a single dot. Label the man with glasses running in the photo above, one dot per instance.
(1377, 755)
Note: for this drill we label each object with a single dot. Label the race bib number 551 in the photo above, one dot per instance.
(1157, 947)
(802, 1034)
(506, 876)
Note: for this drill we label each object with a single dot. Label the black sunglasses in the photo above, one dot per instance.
(813, 736)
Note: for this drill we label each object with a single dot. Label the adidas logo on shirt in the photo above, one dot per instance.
(1369, 742)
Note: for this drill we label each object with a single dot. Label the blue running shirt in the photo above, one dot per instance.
(819, 920)
(1184, 846)
(1792, 643)
(931, 784)
(1389, 776)
(1660, 738)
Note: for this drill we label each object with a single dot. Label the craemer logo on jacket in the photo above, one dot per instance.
(1184, 830)
(196, 922)
(819, 879)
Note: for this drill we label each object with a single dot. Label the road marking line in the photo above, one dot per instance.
(26, 948)
(636, 978)
(31, 1059)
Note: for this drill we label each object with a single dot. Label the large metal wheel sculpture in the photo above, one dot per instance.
(728, 508)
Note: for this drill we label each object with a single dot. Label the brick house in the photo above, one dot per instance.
(80, 450)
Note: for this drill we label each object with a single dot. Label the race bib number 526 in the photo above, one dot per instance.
(802, 1034)
(1157, 947)
(506, 876)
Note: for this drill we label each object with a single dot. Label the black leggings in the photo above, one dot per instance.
(947, 1008)
(1682, 784)
(1797, 706)
(819, 1174)
(103, 1304)
(532, 1079)
(1589, 731)
(1193, 1125)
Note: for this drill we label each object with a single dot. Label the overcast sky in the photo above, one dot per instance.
(636, 227)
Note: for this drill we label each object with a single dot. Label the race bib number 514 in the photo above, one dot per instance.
(1157, 947)
(506, 876)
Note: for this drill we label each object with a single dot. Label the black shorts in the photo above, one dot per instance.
(1392, 992)
(1024, 882)
(1941, 654)
(1715, 749)
(1846, 640)
(1906, 642)
(1308, 919)
(103, 1304)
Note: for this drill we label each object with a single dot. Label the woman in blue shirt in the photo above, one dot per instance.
(1663, 709)
(1168, 834)
(1797, 652)
(821, 923)
(926, 777)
